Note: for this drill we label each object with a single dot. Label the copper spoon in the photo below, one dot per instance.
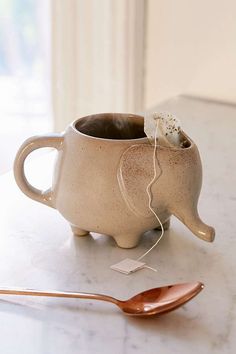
(155, 301)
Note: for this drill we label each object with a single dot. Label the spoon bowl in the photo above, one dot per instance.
(161, 300)
(157, 301)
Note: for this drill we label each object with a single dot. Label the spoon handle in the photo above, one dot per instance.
(49, 293)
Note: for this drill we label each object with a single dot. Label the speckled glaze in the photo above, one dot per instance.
(100, 184)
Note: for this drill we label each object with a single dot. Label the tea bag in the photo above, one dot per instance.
(166, 126)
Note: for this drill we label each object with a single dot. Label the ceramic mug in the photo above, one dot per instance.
(104, 164)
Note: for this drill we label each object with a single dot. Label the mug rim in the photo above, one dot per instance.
(144, 139)
(107, 114)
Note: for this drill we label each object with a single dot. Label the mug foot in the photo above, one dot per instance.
(127, 241)
(79, 232)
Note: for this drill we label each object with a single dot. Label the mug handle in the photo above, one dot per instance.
(31, 144)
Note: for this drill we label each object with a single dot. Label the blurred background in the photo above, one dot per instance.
(60, 60)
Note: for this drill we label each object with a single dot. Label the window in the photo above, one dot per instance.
(25, 103)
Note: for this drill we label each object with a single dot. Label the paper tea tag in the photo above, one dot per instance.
(128, 266)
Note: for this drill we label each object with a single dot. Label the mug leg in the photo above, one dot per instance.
(78, 232)
(127, 240)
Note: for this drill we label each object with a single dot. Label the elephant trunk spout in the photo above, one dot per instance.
(193, 222)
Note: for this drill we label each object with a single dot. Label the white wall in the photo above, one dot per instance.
(190, 49)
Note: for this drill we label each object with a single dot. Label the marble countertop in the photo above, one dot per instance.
(37, 250)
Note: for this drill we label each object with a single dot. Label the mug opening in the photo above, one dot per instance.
(119, 126)
(115, 126)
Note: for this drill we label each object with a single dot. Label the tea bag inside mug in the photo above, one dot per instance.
(166, 126)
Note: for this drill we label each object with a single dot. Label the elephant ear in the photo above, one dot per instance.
(134, 174)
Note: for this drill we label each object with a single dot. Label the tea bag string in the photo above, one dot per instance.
(149, 193)
(128, 266)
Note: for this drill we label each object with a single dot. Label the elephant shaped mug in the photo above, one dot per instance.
(104, 164)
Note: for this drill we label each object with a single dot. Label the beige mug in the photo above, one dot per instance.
(104, 164)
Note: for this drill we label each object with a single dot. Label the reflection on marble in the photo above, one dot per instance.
(37, 250)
